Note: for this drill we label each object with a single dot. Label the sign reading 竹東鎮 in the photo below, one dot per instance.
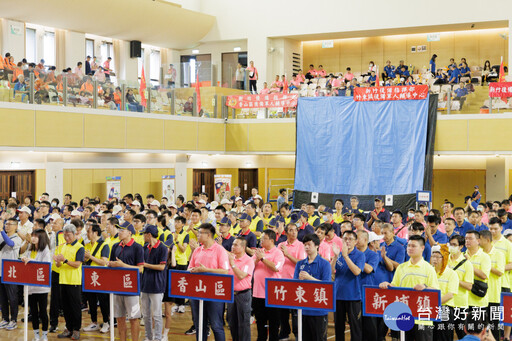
(113, 187)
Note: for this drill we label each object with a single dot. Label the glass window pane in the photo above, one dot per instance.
(49, 48)
(89, 47)
(30, 45)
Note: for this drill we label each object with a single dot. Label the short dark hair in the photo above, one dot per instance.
(458, 209)
(96, 229)
(196, 210)
(113, 220)
(415, 226)
(360, 216)
(221, 208)
(460, 239)
(418, 239)
(486, 234)
(352, 233)
(209, 227)
(475, 232)
(311, 204)
(311, 237)
(494, 220)
(182, 219)
(252, 205)
(433, 219)
(502, 212)
(152, 212)
(271, 235)
(399, 213)
(140, 217)
(77, 222)
(340, 200)
(282, 190)
(326, 227)
(242, 240)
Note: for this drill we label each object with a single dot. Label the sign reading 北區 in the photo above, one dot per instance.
(33, 273)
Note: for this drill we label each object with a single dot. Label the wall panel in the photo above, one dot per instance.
(455, 185)
(17, 129)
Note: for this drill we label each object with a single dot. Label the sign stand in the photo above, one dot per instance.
(402, 335)
(25, 313)
(299, 324)
(201, 310)
(111, 301)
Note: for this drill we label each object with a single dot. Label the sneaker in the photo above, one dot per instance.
(65, 334)
(165, 338)
(105, 328)
(191, 331)
(174, 309)
(181, 309)
(209, 331)
(92, 327)
(44, 337)
(3, 324)
(142, 321)
(53, 329)
(11, 326)
(36, 336)
(76, 335)
(283, 338)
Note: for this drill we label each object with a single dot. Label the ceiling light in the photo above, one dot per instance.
(237, 49)
(195, 51)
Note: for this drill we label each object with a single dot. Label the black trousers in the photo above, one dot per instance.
(494, 323)
(38, 304)
(240, 85)
(417, 334)
(92, 300)
(252, 86)
(55, 301)
(442, 332)
(353, 310)
(71, 294)
(285, 322)
(266, 316)
(314, 328)
(369, 328)
(9, 302)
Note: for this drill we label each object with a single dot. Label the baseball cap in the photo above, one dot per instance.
(155, 203)
(172, 205)
(245, 216)
(225, 201)
(25, 209)
(294, 217)
(135, 203)
(238, 198)
(436, 248)
(327, 210)
(126, 226)
(303, 214)
(258, 197)
(75, 213)
(225, 221)
(150, 229)
(507, 232)
(214, 204)
(476, 186)
(272, 222)
(279, 219)
(55, 216)
(379, 198)
(372, 236)
(115, 210)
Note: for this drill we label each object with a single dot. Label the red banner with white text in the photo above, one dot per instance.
(500, 89)
(391, 93)
(262, 101)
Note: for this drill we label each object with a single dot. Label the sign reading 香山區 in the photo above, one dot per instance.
(201, 286)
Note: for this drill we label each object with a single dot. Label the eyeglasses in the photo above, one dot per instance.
(349, 239)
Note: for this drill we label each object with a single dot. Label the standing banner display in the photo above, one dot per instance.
(390, 93)
(203, 287)
(121, 281)
(168, 188)
(262, 101)
(503, 89)
(31, 274)
(222, 187)
(113, 187)
(300, 294)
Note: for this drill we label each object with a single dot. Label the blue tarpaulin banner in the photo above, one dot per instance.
(366, 148)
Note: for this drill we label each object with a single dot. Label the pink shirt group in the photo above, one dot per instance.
(215, 257)
(329, 254)
(296, 249)
(252, 69)
(403, 232)
(246, 264)
(261, 271)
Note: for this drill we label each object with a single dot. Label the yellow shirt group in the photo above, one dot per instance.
(481, 261)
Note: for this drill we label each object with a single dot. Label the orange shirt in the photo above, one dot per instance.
(17, 71)
(117, 98)
(2, 66)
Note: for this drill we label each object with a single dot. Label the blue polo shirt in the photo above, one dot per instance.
(304, 231)
(432, 66)
(481, 227)
(439, 237)
(405, 73)
(131, 253)
(320, 269)
(372, 79)
(389, 71)
(394, 251)
(506, 225)
(227, 243)
(347, 285)
(464, 228)
(426, 253)
(454, 76)
(383, 215)
(250, 238)
(372, 259)
(153, 281)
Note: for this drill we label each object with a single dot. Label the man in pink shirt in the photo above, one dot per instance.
(321, 72)
(300, 77)
(239, 312)
(399, 228)
(323, 249)
(349, 75)
(213, 258)
(268, 262)
(332, 239)
(253, 77)
(106, 67)
(311, 72)
(293, 251)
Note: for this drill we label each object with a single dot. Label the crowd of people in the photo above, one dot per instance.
(465, 252)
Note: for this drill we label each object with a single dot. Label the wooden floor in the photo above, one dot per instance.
(180, 323)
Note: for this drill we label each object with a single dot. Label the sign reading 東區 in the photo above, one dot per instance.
(298, 294)
(262, 101)
(390, 93)
(425, 305)
(503, 89)
(125, 281)
(33, 273)
(201, 286)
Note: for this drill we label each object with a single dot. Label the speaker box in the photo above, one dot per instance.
(135, 49)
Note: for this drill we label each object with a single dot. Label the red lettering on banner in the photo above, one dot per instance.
(201, 286)
(297, 294)
(32, 273)
(500, 89)
(110, 280)
(424, 304)
(260, 101)
(391, 93)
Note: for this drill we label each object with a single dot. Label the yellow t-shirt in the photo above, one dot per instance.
(449, 283)
(191, 234)
(494, 281)
(338, 218)
(480, 261)
(505, 246)
(464, 273)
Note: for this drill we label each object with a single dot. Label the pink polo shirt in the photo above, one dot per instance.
(252, 69)
(296, 249)
(336, 240)
(403, 233)
(301, 78)
(215, 257)
(335, 83)
(246, 264)
(321, 73)
(325, 250)
(349, 76)
(264, 91)
(261, 271)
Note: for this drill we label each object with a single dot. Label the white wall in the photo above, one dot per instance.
(13, 39)
(74, 47)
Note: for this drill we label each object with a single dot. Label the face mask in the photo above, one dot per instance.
(481, 209)
(453, 249)
(54, 204)
(410, 215)
(324, 218)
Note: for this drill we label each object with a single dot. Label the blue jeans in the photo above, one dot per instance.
(213, 313)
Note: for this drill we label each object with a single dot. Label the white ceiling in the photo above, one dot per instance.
(152, 22)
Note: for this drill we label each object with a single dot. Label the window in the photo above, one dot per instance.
(49, 48)
(107, 50)
(140, 62)
(30, 45)
(154, 66)
(89, 47)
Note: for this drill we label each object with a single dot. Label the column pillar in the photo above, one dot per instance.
(55, 176)
(497, 178)
(257, 51)
(180, 171)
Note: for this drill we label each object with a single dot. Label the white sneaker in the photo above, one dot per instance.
(11, 326)
(165, 338)
(105, 328)
(44, 337)
(36, 336)
(174, 309)
(3, 324)
(181, 309)
(142, 323)
(92, 327)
